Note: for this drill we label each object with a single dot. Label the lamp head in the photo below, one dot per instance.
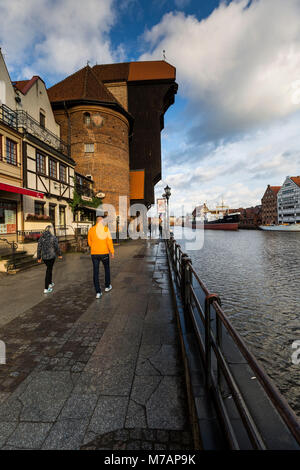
(167, 190)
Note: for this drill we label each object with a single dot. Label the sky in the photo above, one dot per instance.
(235, 124)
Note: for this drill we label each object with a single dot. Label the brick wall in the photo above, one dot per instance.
(269, 207)
(109, 164)
(119, 90)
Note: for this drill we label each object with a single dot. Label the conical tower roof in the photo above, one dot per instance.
(82, 85)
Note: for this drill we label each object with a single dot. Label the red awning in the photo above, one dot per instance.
(16, 189)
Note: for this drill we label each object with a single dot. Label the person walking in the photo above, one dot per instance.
(160, 222)
(149, 226)
(48, 249)
(101, 244)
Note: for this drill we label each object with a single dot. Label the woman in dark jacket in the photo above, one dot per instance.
(47, 251)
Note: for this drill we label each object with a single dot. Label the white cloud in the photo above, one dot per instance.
(55, 37)
(237, 171)
(237, 67)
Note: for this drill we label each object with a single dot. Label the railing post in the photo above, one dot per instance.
(14, 246)
(185, 280)
(218, 336)
(176, 258)
(210, 298)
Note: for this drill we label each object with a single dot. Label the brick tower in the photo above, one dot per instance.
(112, 116)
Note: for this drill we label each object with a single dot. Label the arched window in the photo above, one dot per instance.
(87, 119)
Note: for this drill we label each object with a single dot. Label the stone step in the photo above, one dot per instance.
(26, 264)
(7, 255)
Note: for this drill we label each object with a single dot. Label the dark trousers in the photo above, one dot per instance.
(48, 279)
(96, 261)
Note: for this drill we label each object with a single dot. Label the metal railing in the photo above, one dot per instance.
(209, 324)
(63, 232)
(8, 116)
(33, 127)
(8, 247)
(29, 236)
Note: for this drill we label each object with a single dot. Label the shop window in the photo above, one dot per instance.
(62, 216)
(40, 163)
(87, 119)
(63, 173)
(11, 152)
(89, 148)
(8, 217)
(52, 168)
(38, 208)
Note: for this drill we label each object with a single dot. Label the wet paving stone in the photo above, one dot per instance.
(46, 332)
(81, 374)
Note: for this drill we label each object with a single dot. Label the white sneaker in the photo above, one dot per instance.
(107, 289)
(99, 295)
(52, 285)
(46, 291)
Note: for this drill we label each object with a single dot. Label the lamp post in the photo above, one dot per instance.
(167, 195)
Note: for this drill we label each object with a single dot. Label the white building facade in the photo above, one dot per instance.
(288, 201)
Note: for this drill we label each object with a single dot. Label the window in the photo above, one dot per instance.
(8, 217)
(42, 120)
(89, 148)
(52, 168)
(52, 213)
(87, 119)
(63, 173)
(38, 208)
(62, 216)
(11, 152)
(79, 180)
(40, 163)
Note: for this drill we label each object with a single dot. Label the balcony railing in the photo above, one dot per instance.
(83, 190)
(8, 116)
(33, 127)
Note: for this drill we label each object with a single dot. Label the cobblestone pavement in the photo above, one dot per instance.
(87, 373)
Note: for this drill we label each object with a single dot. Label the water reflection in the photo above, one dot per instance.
(256, 274)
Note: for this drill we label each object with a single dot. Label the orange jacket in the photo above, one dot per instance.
(99, 240)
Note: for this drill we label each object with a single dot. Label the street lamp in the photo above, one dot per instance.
(167, 193)
(166, 196)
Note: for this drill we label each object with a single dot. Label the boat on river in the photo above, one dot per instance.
(217, 219)
(281, 228)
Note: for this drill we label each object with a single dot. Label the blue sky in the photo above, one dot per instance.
(234, 127)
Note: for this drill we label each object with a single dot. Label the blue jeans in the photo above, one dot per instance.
(96, 261)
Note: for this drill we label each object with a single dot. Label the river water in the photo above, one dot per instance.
(257, 275)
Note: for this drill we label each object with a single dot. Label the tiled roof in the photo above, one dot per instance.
(112, 72)
(24, 85)
(275, 189)
(135, 71)
(83, 84)
(151, 70)
(296, 179)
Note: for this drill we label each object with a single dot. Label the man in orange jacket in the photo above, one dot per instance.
(101, 244)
